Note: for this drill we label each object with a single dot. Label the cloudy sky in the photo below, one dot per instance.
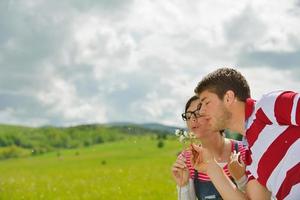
(96, 61)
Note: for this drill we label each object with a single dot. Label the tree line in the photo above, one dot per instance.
(17, 141)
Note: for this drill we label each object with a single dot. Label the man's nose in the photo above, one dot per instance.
(202, 110)
(201, 120)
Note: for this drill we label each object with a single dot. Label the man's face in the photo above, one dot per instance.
(214, 110)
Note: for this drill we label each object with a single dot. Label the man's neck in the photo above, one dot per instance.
(237, 122)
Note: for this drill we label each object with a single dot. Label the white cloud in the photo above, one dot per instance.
(265, 79)
(100, 61)
(62, 98)
(9, 116)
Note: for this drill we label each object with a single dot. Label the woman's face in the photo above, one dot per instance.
(196, 124)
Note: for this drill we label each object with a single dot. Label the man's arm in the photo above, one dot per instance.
(217, 175)
(255, 190)
(223, 184)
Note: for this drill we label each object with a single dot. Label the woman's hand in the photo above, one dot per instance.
(180, 172)
(200, 158)
(236, 166)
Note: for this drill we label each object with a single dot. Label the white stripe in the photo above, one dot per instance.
(267, 102)
(264, 140)
(250, 120)
(293, 113)
(278, 175)
(294, 194)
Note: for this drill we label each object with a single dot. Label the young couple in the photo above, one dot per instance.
(270, 126)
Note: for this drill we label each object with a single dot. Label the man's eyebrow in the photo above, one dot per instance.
(203, 99)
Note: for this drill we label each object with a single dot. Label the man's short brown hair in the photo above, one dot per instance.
(222, 80)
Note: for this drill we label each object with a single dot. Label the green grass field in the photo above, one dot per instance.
(130, 169)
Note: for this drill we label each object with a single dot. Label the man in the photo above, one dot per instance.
(270, 125)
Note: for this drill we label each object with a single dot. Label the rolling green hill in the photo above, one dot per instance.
(20, 141)
(132, 168)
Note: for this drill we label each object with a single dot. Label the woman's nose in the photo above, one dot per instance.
(193, 117)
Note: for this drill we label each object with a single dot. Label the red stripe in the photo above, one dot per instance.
(262, 117)
(251, 177)
(243, 152)
(249, 107)
(203, 176)
(298, 113)
(292, 178)
(275, 153)
(248, 159)
(257, 126)
(283, 107)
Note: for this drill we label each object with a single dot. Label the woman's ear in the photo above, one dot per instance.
(229, 97)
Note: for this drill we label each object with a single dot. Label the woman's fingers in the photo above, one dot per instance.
(234, 157)
(197, 148)
(178, 167)
(197, 156)
(180, 164)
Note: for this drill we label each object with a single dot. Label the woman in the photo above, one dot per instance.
(194, 183)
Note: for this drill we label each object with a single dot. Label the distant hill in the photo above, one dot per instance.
(160, 127)
(148, 126)
(16, 141)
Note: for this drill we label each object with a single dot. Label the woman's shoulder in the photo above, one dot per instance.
(243, 149)
(238, 143)
(185, 154)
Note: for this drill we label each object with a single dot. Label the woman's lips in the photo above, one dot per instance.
(195, 128)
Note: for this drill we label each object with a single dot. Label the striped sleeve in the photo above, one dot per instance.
(281, 107)
(202, 176)
(187, 155)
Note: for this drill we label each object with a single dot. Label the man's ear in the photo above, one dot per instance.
(229, 97)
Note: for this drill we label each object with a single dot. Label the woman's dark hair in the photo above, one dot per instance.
(188, 103)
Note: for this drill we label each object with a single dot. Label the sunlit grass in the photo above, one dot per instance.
(129, 169)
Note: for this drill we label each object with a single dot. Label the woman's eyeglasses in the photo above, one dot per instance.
(188, 115)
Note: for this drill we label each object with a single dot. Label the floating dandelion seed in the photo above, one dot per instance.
(178, 132)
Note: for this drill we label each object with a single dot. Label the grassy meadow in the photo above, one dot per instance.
(132, 168)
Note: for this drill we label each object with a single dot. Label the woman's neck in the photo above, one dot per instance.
(216, 145)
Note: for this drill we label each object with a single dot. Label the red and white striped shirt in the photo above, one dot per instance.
(273, 132)
(203, 176)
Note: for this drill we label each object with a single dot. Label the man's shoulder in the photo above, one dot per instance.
(272, 94)
(269, 99)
